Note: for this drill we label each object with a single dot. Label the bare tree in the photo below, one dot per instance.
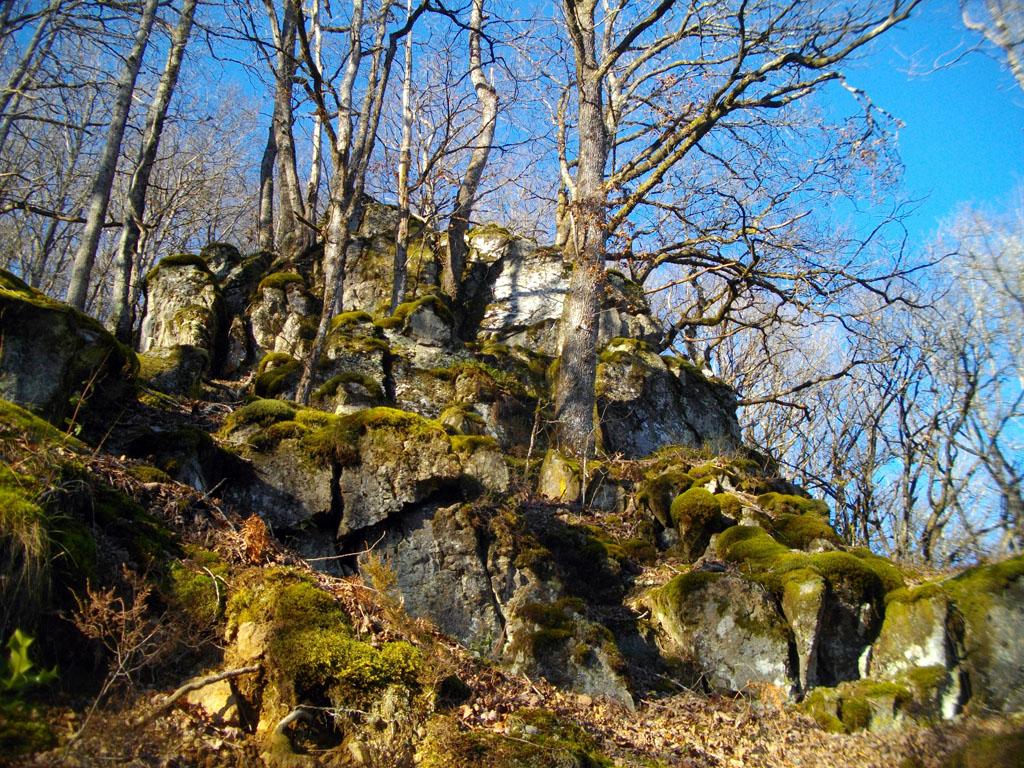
(455, 257)
(1001, 23)
(120, 321)
(754, 58)
(99, 197)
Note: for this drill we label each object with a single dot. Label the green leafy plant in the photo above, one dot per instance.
(19, 672)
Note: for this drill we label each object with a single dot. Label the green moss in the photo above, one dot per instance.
(145, 473)
(23, 731)
(197, 586)
(677, 591)
(623, 349)
(15, 421)
(330, 387)
(799, 531)
(277, 370)
(989, 750)
(656, 494)
(537, 739)
(782, 503)
(310, 645)
(280, 280)
(972, 592)
(908, 595)
(469, 444)
(346, 319)
(695, 507)
(407, 309)
(268, 439)
(179, 260)
(765, 559)
(338, 440)
(848, 707)
(261, 413)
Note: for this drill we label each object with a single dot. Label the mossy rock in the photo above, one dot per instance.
(860, 705)
(990, 598)
(57, 362)
(655, 493)
(697, 515)
(176, 370)
(726, 628)
(276, 373)
(788, 504)
(179, 260)
(536, 739)
(311, 652)
(280, 281)
(989, 750)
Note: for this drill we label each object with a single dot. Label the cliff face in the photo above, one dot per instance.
(424, 464)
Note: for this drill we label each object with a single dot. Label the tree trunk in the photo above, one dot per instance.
(313, 185)
(265, 224)
(99, 195)
(400, 277)
(293, 229)
(584, 250)
(458, 225)
(120, 320)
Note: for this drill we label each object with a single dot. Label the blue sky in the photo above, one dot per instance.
(963, 139)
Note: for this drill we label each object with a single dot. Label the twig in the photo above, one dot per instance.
(193, 685)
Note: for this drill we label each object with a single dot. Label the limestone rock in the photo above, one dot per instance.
(52, 355)
(183, 306)
(176, 370)
(803, 605)
(727, 627)
(645, 405)
(283, 314)
(521, 288)
(401, 462)
(917, 632)
(549, 635)
(438, 558)
(990, 598)
(284, 487)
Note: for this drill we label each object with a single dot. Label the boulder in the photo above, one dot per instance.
(283, 315)
(803, 605)
(517, 290)
(56, 361)
(439, 558)
(183, 305)
(728, 628)
(176, 370)
(403, 460)
(646, 403)
(990, 599)
(919, 631)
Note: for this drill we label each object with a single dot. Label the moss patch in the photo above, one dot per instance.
(280, 280)
(277, 371)
(179, 260)
(261, 413)
(311, 650)
(537, 739)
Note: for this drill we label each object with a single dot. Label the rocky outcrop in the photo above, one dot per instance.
(647, 402)
(55, 361)
(519, 288)
(726, 627)
(183, 322)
